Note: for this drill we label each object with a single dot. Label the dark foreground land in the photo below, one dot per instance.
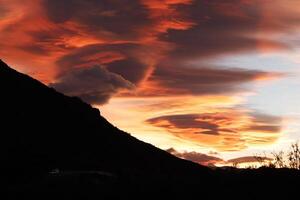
(58, 147)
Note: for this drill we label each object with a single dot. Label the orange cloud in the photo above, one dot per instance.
(166, 33)
(153, 48)
(225, 130)
(167, 16)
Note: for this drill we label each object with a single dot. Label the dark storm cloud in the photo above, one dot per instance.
(35, 49)
(48, 41)
(94, 84)
(196, 157)
(180, 80)
(221, 27)
(132, 37)
(120, 17)
(214, 32)
(118, 58)
(130, 68)
(3, 11)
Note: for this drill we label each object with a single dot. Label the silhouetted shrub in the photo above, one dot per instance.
(289, 159)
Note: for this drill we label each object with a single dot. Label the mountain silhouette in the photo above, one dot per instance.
(43, 131)
(54, 144)
(48, 130)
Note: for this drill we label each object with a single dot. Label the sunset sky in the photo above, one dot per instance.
(207, 80)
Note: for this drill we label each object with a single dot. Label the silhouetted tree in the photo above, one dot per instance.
(281, 159)
(294, 156)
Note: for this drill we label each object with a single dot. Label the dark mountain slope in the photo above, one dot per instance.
(42, 130)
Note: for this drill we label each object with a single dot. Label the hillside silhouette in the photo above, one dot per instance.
(53, 146)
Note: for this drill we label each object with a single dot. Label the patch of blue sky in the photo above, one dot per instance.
(278, 62)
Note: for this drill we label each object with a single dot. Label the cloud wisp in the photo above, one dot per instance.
(197, 157)
(214, 160)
